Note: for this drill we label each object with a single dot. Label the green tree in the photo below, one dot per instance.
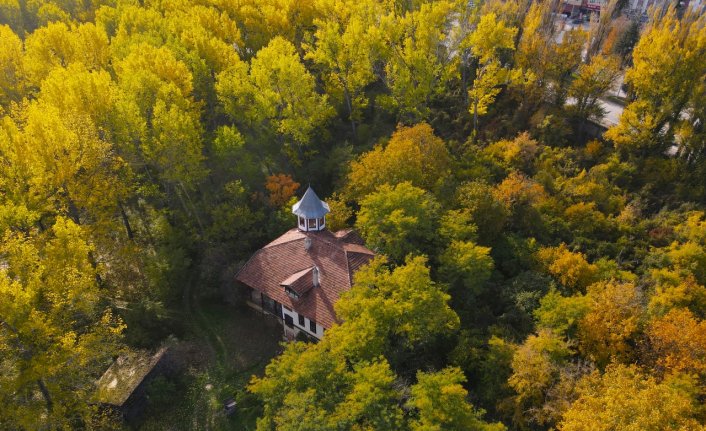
(398, 220)
(279, 96)
(402, 307)
(441, 402)
(466, 264)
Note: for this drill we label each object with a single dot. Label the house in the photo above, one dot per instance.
(124, 384)
(299, 276)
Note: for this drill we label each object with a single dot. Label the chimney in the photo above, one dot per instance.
(315, 275)
(307, 243)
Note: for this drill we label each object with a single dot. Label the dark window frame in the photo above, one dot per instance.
(312, 326)
(302, 322)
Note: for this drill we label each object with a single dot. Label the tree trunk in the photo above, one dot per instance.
(126, 221)
(349, 104)
(45, 393)
(475, 117)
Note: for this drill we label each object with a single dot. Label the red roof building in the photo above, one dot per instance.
(300, 275)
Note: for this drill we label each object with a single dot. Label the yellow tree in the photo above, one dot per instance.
(537, 367)
(571, 269)
(347, 43)
(413, 154)
(58, 45)
(548, 64)
(592, 81)
(625, 399)
(58, 164)
(667, 82)
(12, 79)
(490, 39)
(263, 20)
(678, 340)
(159, 86)
(56, 332)
(419, 61)
(606, 330)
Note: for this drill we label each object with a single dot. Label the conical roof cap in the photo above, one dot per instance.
(310, 206)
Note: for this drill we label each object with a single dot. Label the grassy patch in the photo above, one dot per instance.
(226, 346)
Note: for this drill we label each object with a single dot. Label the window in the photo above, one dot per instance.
(312, 223)
(321, 221)
(291, 293)
(312, 326)
(301, 321)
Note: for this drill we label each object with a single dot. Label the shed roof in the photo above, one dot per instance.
(310, 206)
(125, 374)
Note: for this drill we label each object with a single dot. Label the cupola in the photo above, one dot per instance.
(311, 212)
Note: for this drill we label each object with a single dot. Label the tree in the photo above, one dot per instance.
(279, 96)
(159, 86)
(466, 264)
(413, 154)
(593, 80)
(347, 44)
(560, 313)
(521, 197)
(667, 63)
(570, 268)
(678, 340)
(12, 79)
(398, 220)
(61, 166)
(176, 148)
(487, 42)
(547, 64)
(310, 388)
(605, 332)
(518, 154)
(484, 209)
(625, 399)
(56, 332)
(346, 382)
(441, 402)
(536, 368)
(262, 20)
(418, 62)
(280, 189)
(674, 291)
(402, 307)
(58, 45)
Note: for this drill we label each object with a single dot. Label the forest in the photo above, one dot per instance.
(535, 270)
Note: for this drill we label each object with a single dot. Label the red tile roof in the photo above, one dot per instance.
(285, 261)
